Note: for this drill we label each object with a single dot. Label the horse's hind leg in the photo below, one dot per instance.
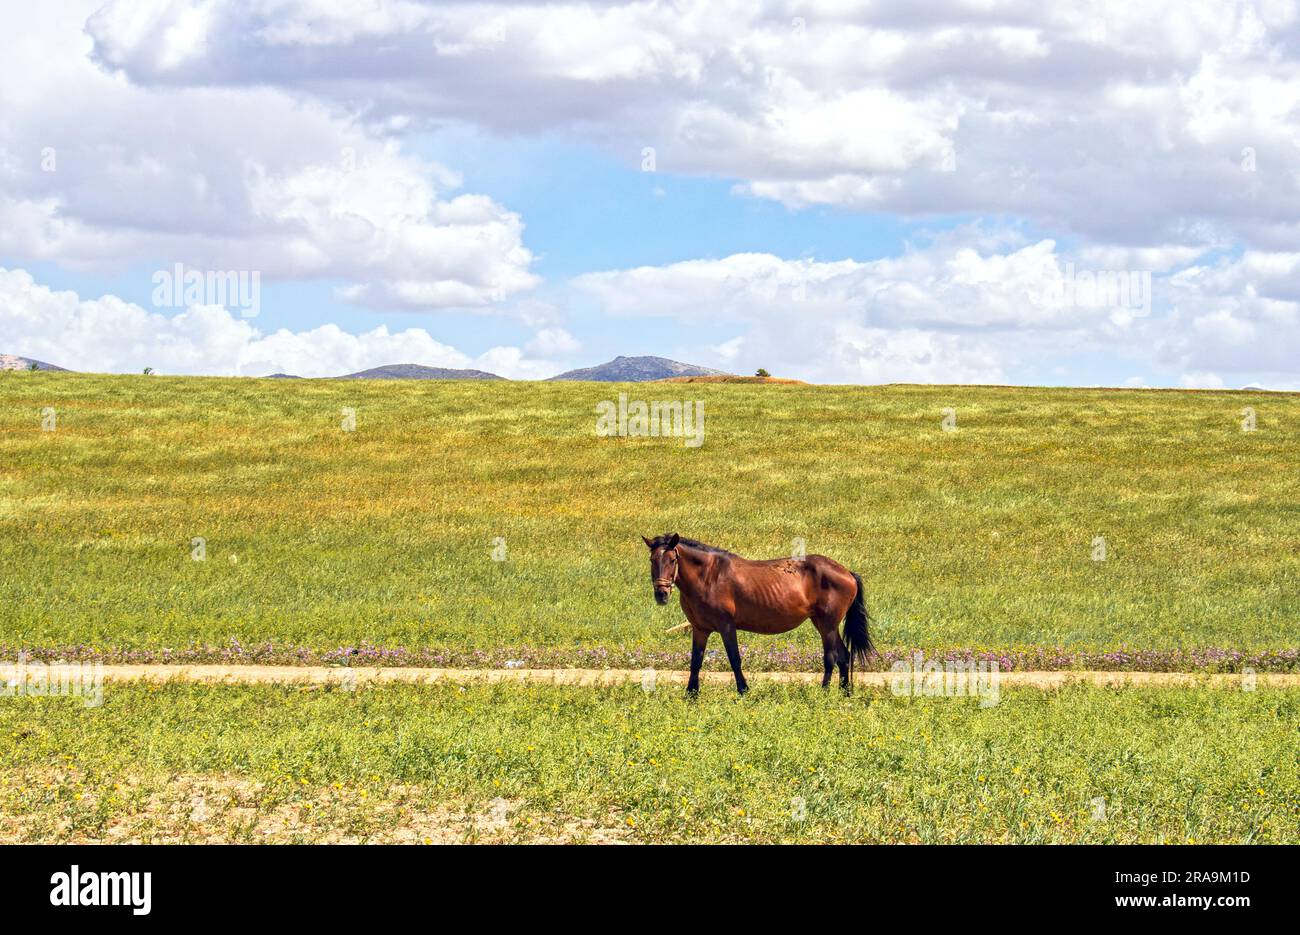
(834, 652)
(828, 658)
(842, 657)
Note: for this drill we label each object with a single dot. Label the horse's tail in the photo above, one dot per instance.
(855, 628)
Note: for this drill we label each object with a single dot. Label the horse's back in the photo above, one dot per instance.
(820, 568)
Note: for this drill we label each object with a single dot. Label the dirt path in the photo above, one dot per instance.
(350, 677)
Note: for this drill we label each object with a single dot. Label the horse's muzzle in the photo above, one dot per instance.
(661, 597)
(663, 588)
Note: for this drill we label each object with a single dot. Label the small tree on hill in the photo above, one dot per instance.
(760, 372)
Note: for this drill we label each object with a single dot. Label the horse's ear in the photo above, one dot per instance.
(647, 542)
(672, 543)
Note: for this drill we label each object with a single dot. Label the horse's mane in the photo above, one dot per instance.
(690, 543)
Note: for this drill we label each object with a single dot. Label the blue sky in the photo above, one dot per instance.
(839, 196)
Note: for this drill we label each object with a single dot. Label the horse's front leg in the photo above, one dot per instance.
(699, 639)
(728, 633)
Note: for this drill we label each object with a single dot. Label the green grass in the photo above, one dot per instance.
(980, 537)
(791, 764)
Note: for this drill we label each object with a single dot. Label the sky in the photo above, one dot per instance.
(1047, 193)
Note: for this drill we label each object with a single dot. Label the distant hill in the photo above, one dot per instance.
(782, 381)
(639, 370)
(419, 372)
(13, 362)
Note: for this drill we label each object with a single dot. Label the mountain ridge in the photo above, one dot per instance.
(417, 372)
(16, 362)
(621, 369)
(637, 370)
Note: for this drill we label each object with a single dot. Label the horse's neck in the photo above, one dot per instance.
(691, 573)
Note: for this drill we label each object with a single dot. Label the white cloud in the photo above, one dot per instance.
(977, 305)
(1123, 122)
(951, 283)
(938, 313)
(1201, 381)
(110, 335)
(97, 171)
(1239, 316)
(551, 342)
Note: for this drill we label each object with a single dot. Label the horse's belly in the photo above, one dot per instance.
(757, 618)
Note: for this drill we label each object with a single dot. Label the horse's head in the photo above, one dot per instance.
(663, 564)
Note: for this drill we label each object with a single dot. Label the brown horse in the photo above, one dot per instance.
(722, 592)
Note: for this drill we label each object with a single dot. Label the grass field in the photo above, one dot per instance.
(318, 537)
(404, 763)
(318, 540)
